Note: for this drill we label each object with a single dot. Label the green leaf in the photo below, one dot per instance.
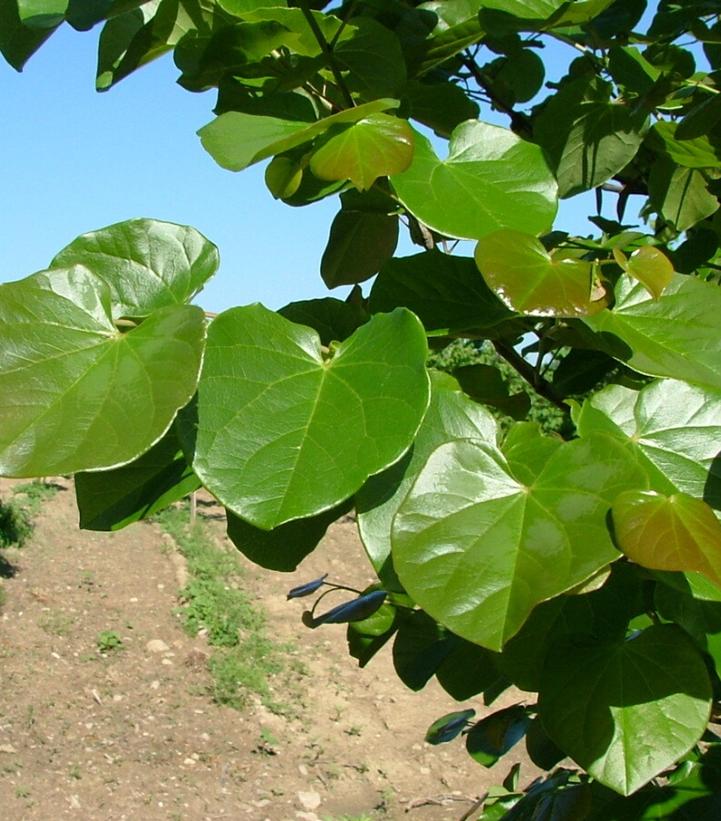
(676, 532)
(674, 426)
(420, 647)
(18, 42)
(680, 195)
(377, 146)
(674, 336)
(485, 384)
(493, 736)
(283, 548)
(236, 140)
(575, 12)
(648, 265)
(587, 141)
(359, 243)
(627, 710)
(42, 14)
(471, 193)
(445, 291)
(147, 264)
(469, 537)
(75, 393)
(447, 727)
(113, 499)
(697, 152)
(517, 77)
(283, 177)
(440, 106)
(450, 415)
(520, 271)
(373, 55)
(284, 433)
(332, 319)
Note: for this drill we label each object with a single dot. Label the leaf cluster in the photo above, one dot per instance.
(572, 554)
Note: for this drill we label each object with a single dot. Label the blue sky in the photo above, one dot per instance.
(74, 160)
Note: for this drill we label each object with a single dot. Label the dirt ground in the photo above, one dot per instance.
(135, 735)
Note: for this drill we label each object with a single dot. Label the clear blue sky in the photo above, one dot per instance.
(74, 160)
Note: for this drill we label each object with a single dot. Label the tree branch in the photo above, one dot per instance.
(519, 122)
(328, 51)
(529, 373)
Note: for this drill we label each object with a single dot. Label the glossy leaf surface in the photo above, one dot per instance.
(284, 433)
(627, 710)
(359, 243)
(474, 528)
(474, 192)
(147, 264)
(75, 393)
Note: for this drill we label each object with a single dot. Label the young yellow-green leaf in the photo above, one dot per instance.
(674, 336)
(675, 427)
(529, 280)
(376, 146)
(283, 177)
(113, 499)
(284, 431)
(675, 532)
(627, 710)
(76, 393)
(648, 265)
(236, 140)
(451, 415)
(491, 179)
(470, 536)
(146, 263)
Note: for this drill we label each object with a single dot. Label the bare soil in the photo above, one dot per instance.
(134, 734)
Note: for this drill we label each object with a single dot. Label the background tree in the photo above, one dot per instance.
(583, 567)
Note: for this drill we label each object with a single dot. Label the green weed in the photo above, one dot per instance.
(57, 623)
(246, 658)
(108, 641)
(15, 525)
(34, 494)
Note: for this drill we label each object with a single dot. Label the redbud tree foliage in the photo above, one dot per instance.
(581, 567)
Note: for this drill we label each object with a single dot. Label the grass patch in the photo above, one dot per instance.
(33, 495)
(15, 525)
(246, 659)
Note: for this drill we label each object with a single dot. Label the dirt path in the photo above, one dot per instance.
(133, 734)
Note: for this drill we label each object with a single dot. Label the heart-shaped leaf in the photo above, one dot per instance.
(236, 140)
(529, 280)
(444, 290)
(674, 532)
(649, 266)
(469, 537)
(376, 146)
(472, 193)
(359, 243)
(451, 415)
(676, 427)
(627, 710)
(493, 736)
(286, 432)
(113, 499)
(76, 393)
(674, 336)
(146, 263)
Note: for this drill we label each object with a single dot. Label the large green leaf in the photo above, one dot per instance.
(374, 58)
(42, 14)
(627, 710)
(112, 499)
(476, 526)
(332, 319)
(676, 532)
(529, 280)
(147, 264)
(376, 146)
(698, 152)
(675, 426)
(451, 415)
(446, 292)
(76, 393)
(491, 179)
(359, 243)
(587, 141)
(236, 140)
(440, 106)
(579, 11)
(680, 195)
(286, 432)
(674, 336)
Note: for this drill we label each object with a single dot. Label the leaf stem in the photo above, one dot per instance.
(529, 373)
(328, 51)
